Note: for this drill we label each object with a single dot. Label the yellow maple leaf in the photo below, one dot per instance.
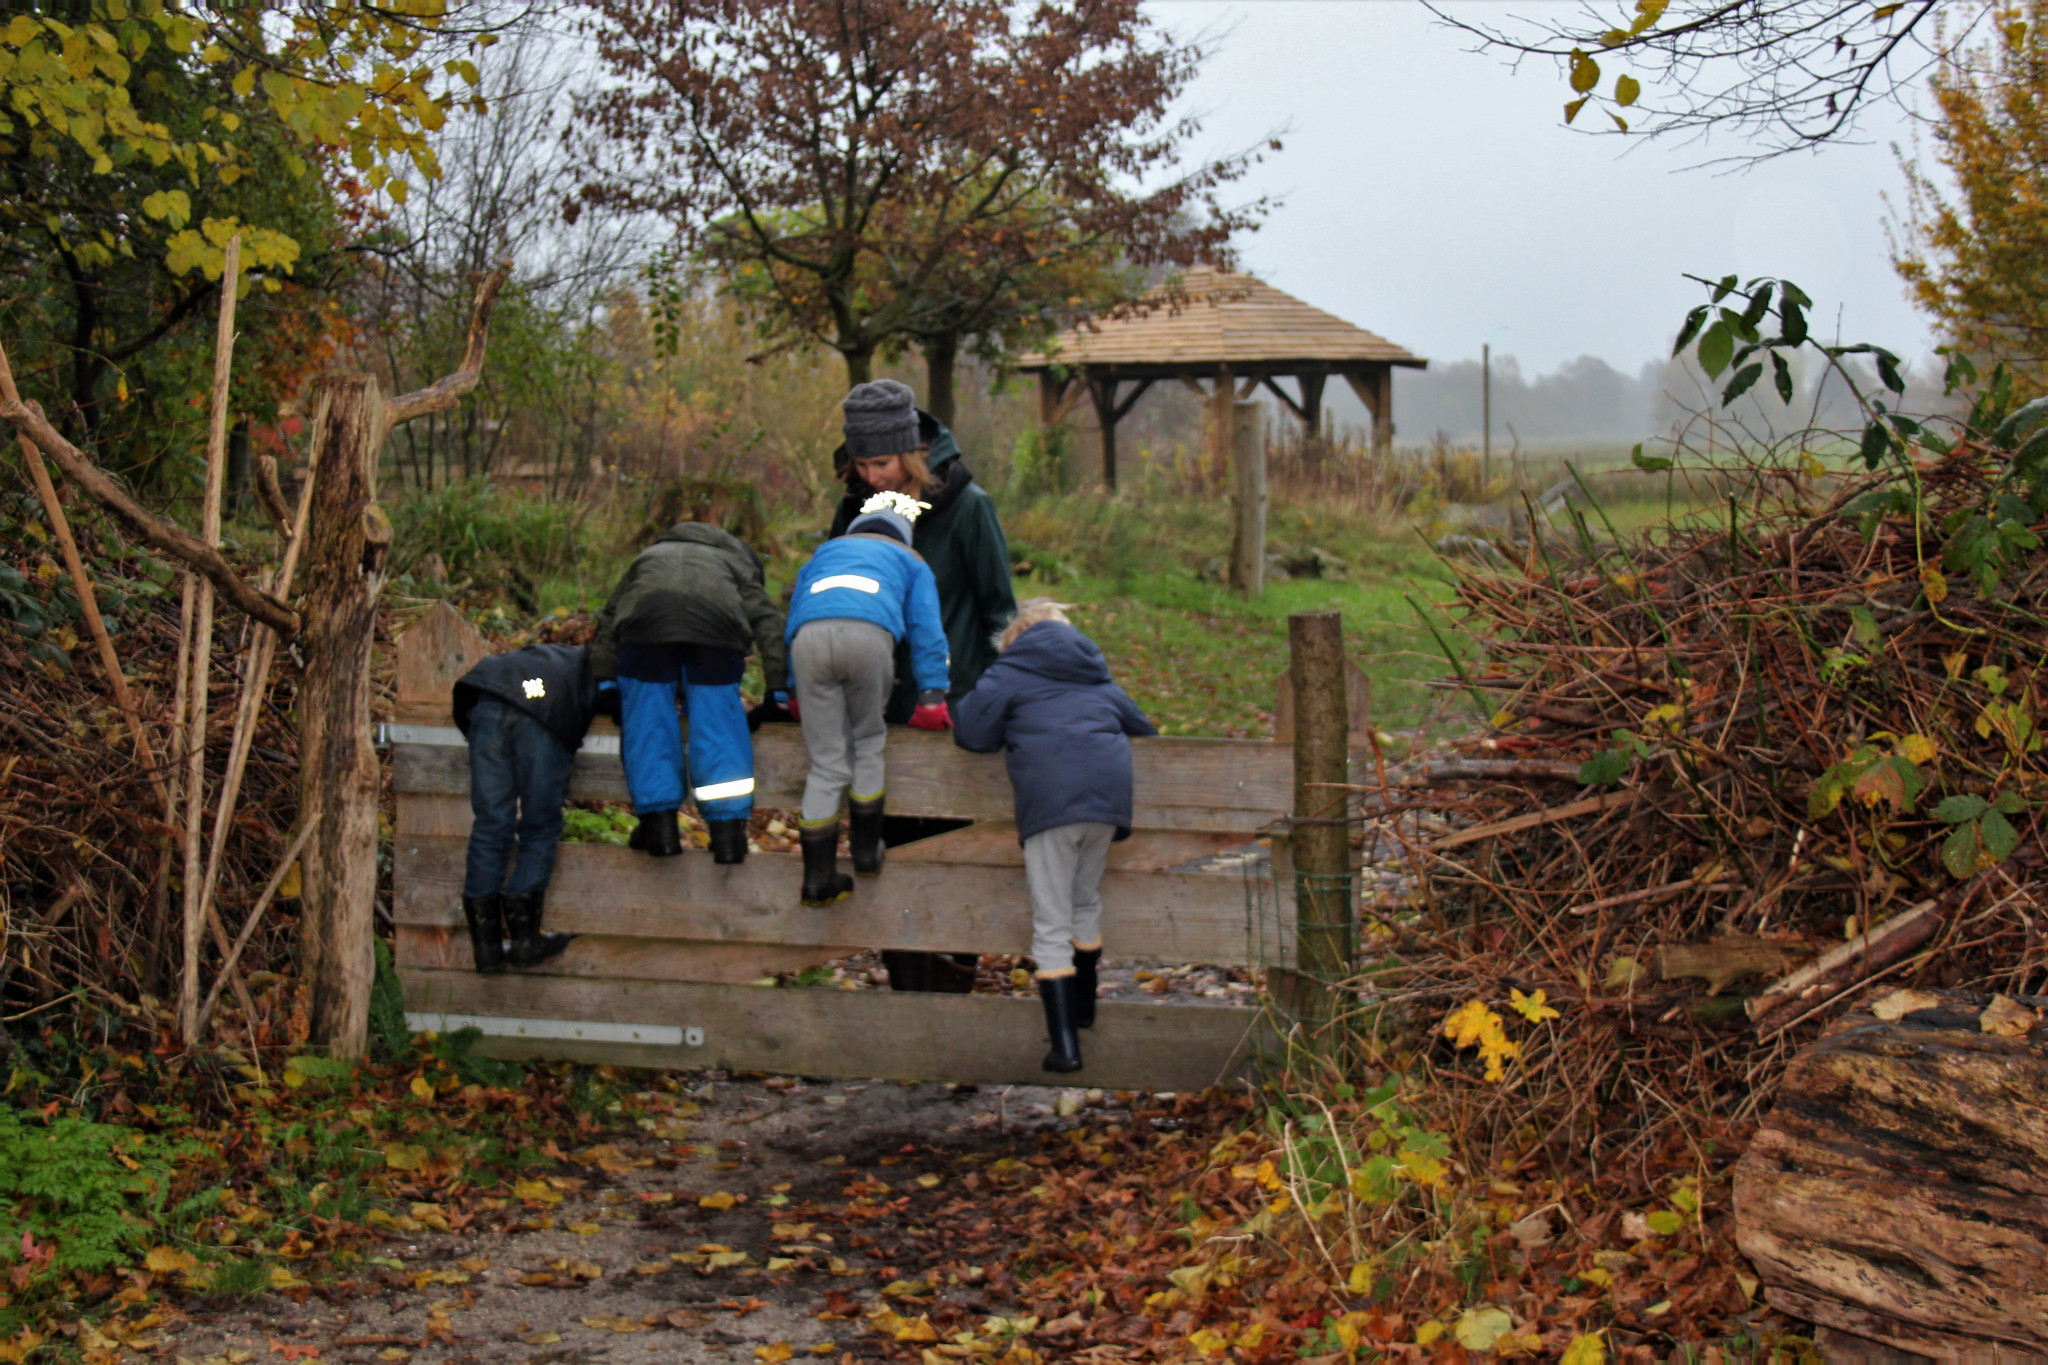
(1468, 1023)
(1531, 1007)
(1585, 1350)
(1917, 749)
(1209, 1342)
(774, 1353)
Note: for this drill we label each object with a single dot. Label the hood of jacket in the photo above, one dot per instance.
(1057, 651)
(704, 533)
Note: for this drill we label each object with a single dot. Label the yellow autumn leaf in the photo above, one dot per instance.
(1481, 1327)
(168, 1260)
(1585, 1350)
(1209, 1342)
(293, 884)
(1917, 749)
(404, 1156)
(1466, 1024)
(1427, 1334)
(536, 1191)
(422, 1087)
(721, 1200)
(586, 1229)
(1531, 1007)
(774, 1353)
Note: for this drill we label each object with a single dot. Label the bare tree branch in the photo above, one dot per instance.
(165, 535)
(443, 394)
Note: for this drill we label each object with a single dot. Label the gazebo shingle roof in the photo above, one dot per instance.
(1226, 319)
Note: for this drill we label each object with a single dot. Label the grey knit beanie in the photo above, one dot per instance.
(880, 419)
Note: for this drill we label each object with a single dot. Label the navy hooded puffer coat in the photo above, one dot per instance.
(1050, 702)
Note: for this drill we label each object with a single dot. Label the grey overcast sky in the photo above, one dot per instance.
(1434, 196)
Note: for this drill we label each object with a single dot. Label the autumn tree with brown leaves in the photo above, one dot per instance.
(1975, 256)
(871, 170)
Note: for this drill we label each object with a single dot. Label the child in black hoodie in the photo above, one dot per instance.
(1050, 702)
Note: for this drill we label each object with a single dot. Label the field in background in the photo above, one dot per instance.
(1141, 569)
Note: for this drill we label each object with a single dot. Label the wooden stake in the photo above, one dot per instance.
(234, 954)
(1320, 840)
(202, 646)
(1247, 438)
(255, 682)
(60, 527)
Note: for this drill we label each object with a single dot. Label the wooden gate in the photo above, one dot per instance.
(661, 974)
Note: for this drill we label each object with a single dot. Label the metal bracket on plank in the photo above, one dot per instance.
(576, 1030)
(390, 732)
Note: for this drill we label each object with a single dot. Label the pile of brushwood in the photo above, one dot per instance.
(90, 850)
(1740, 771)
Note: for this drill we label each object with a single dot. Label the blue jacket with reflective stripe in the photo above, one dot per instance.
(873, 578)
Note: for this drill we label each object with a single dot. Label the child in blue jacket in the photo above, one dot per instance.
(1049, 701)
(858, 595)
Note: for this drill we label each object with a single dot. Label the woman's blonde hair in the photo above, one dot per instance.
(917, 476)
(1029, 613)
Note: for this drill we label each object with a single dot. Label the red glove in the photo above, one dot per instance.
(932, 714)
(796, 713)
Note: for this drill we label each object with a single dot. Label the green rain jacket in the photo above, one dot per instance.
(962, 540)
(695, 585)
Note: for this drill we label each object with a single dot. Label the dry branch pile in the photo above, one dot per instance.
(1801, 739)
(89, 872)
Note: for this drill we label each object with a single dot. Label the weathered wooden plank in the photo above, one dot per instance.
(1224, 785)
(434, 651)
(446, 948)
(448, 816)
(983, 1039)
(605, 889)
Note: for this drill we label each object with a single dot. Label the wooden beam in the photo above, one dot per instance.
(442, 947)
(1374, 386)
(1056, 398)
(1311, 409)
(936, 906)
(1221, 785)
(979, 1039)
(1273, 385)
(1130, 400)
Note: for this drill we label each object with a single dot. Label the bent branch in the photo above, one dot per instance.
(166, 536)
(443, 394)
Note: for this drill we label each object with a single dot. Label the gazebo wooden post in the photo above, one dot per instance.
(1248, 537)
(1312, 422)
(1374, 386)
(1052, 393)
(1222, 410)
(1103, 393)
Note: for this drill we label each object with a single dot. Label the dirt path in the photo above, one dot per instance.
(771, 1225)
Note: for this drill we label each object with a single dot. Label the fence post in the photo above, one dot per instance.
(1321, 836)
(1248, 502)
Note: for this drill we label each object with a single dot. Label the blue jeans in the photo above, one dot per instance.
(518, 779)
(718, 768)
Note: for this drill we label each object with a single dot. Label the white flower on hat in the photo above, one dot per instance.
(899, 504)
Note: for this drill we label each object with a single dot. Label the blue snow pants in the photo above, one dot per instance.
(718, 769)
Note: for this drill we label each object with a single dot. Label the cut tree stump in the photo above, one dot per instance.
(1899, 1190)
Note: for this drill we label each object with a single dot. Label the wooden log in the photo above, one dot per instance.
(1319, 837)
(1235, 786)
(1899, 1190)
(916, 903)
(346, 560)
(1816, 983)
(983, 1039)
(1357, 706)
(1728, 959)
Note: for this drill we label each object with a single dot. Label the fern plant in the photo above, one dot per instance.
(77, 1195)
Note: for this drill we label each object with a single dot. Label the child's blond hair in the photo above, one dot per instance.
(1029, 613)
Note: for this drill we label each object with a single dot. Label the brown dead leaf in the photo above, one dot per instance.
(1901, 1003)
(2007, 1018)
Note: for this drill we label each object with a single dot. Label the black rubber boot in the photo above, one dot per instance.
(530, 947)
(864, 836)
(657, 834)
(728, 841)
(1085, 963)
(486, 917)
(824, 883)
(1057, 994)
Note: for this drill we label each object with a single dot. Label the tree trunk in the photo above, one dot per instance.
(349, 539)
(941, 354)
(1899, 1191)
(860, 365)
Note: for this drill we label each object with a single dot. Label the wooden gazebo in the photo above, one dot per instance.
(1236, 333)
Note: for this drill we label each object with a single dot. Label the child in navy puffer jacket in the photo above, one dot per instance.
(1050, 702)
(858, 595)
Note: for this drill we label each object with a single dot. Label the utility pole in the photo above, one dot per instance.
(1485, 416)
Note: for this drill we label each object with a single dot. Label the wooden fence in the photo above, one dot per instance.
(660, 973)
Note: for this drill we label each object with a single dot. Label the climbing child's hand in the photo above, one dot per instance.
(931, 712)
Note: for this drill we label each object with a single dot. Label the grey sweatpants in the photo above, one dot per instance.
(844, 670)
(1063, 867)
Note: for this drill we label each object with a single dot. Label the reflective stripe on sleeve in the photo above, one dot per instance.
(719, 791)
(858, 582)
